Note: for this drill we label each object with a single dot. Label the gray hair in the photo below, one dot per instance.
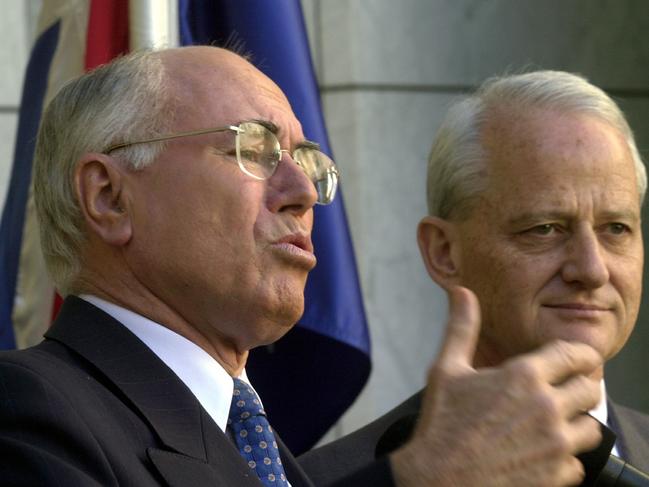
(457, 165)
(125, 100)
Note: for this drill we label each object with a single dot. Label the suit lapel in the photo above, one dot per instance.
(183, 471)
(632, 429)
(160, 396)
(294, 472)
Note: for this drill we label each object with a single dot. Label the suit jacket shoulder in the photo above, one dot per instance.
(632, 428)
(92, 405)
(364, 450)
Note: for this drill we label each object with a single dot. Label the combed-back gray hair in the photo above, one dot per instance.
(125, 100)
(457, 165)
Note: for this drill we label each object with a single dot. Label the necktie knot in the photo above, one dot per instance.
(245, 403)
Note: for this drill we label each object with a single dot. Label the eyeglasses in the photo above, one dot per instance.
(258, 154)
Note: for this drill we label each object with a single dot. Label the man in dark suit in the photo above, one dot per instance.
(535, 187)
(174, 192)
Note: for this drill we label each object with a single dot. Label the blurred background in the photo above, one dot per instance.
(387, 72)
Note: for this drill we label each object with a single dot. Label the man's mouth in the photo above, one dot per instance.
(298, 240)
(579, 310)
(298, 248)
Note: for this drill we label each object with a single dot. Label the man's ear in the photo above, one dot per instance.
(437, 241)
(100, 186)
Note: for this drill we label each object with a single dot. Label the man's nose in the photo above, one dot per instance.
(290, 187)
(585, 260)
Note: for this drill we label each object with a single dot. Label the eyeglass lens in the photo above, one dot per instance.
(321, 171)
(258, 150)
(259, 153)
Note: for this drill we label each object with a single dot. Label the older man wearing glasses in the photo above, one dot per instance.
(175, 193)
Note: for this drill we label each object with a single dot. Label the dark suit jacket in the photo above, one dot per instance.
(331, 463)
(632, 429)
(93, 406)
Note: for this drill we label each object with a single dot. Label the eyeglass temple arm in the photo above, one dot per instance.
(174, 136)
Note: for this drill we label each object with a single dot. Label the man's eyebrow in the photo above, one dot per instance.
(305, 144)
(560, 215)
(268, 124)
(622, 215)
(537, 216)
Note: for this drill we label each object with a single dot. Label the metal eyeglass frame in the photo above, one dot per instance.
(238, 130)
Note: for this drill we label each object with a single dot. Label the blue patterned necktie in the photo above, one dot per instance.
(254, 436)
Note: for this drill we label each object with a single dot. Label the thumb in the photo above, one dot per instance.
(462, 330)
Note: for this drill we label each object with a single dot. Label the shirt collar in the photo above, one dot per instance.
(205, 377)
(600, 412)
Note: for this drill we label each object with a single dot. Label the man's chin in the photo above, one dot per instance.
(593, 336)
(274, 334)
(283, 318)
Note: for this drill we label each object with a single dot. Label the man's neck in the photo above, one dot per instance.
(147, 305)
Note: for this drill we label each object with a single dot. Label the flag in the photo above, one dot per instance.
(14, 215)
(324, 361)
(27, 297)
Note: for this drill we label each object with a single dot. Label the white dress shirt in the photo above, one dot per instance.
(205, 377)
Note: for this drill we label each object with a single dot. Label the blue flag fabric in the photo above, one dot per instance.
(326, 357)
(13, 215)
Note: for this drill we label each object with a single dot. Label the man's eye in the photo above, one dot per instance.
(618, 228)
(251, 154)
(545, 229)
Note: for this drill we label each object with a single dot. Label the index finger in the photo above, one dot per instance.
(559, 360)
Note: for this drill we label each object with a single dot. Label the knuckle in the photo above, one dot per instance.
(439, 373)
(584, 383)
(585, 391)
(523, 372)
(561, 445)
(549, 408)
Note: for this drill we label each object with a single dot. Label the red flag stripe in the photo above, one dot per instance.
(107, 34)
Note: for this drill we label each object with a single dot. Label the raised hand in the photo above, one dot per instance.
(519, 424)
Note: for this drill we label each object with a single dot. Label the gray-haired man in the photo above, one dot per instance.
(175, 193)
(535, 187)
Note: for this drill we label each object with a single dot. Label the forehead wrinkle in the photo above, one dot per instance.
(532, 163)
(609, 200)
(567, 205)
